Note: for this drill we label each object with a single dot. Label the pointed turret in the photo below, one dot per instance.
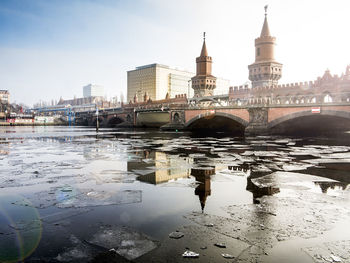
(265, 71)
(265, 31)
(204, 52)
(203, 83)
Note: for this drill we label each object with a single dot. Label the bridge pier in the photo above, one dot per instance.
(258, 120)
(177, 121)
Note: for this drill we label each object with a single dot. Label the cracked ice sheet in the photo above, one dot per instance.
(89, 198)
(323, 253)
(114, 176)
(196, 238)
(277, 218)
(127, 242)
(69, 197)
(281, 179)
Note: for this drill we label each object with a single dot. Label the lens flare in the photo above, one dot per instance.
(20, 226)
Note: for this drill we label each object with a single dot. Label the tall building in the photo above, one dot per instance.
(157, 81)
(93, 90)
(204, 82)
(265, 71)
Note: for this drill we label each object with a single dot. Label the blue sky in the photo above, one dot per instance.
(52, 48)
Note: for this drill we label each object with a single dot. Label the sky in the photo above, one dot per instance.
(51, 49)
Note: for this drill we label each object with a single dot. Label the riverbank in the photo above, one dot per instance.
(31, 124)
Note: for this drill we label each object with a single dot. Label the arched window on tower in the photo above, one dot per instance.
(278, 100)
(327, 98)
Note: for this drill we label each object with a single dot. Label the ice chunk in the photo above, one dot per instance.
(282, 179)
(176, 235)
(335, 258)
(228, 256)
(190, 254)
(221, 245)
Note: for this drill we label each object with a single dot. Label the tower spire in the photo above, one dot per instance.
(265, 31)
(204, 52)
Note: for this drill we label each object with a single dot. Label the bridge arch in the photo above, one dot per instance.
(113, 121)
(219, 121)
(94, 121)
(307, 122)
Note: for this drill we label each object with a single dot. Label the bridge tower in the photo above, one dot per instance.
(265, 71)
(204, 82)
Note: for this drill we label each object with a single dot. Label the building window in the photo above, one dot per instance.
(327, 99)
(258, 51)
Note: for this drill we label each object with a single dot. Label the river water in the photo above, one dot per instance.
(68, 194)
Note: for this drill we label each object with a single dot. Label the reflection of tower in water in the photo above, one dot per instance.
(202, 176)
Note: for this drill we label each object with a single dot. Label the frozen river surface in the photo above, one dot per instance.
(69, 195)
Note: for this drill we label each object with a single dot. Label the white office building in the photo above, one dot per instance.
(93, 90)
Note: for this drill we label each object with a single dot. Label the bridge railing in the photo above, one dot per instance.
(309, 99)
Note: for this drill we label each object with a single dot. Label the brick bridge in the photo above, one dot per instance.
(248, 119)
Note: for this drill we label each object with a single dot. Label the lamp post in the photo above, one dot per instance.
(97, 123)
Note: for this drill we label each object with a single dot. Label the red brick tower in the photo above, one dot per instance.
(203, 83)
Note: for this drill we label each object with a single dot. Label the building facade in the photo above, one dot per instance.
(81, 101)
(4, 96)
(326, 89)
(93, 90)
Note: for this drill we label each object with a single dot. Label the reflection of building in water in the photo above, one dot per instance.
(203, 190)
(165, 168)
(242, 167)
(256, 190)
(260, 191)
(331, 185)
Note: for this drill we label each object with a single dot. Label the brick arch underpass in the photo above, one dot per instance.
(113, 121)
(101, 120)
(305, 121)
(218, 121)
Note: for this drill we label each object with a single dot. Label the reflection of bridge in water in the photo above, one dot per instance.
(159, 168)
